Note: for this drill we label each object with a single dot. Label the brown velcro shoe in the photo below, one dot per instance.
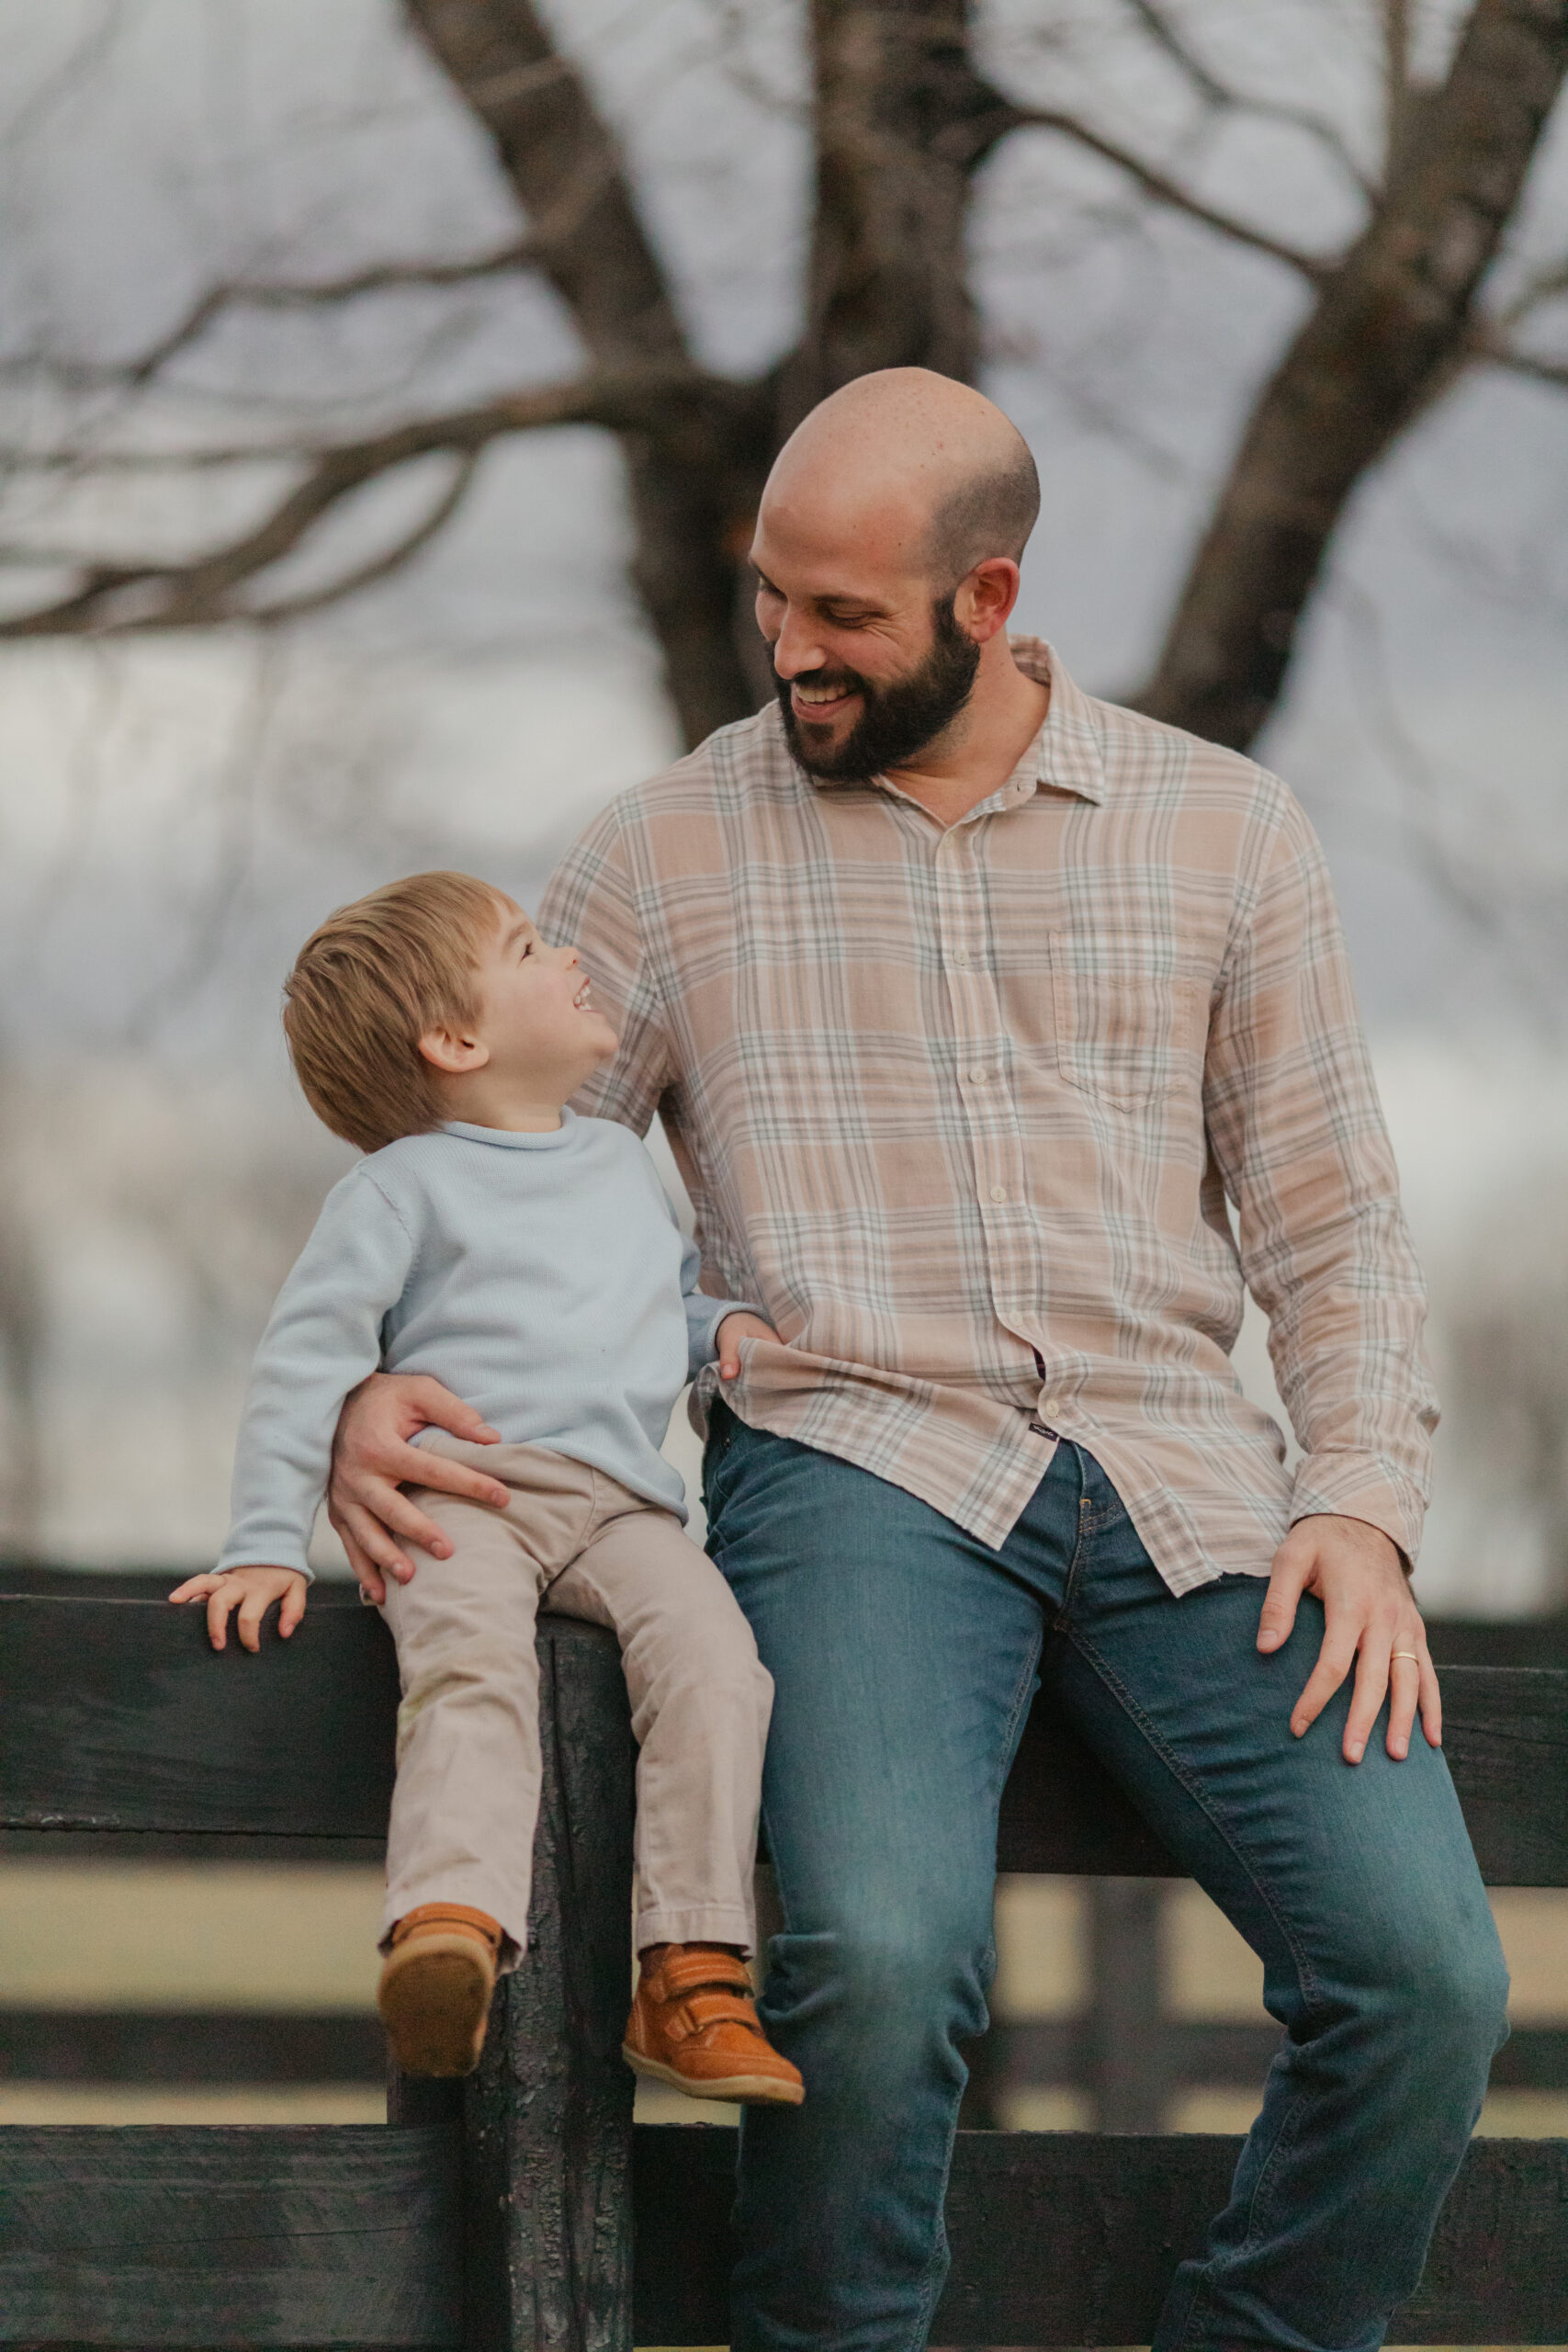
(436, 1986)
(694, 2024)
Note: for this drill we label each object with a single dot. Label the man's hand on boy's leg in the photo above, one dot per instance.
(372, 1456)
(728, 1338)
(252, 1592)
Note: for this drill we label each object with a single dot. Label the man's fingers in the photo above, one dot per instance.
(1404, 1690)
(373, 1541)
(1287, 1582)
(1371, 1688)
(1334, 1662)
(223, 1596)
(372, 1583)
(442, 1410)
(1431, 1700)
(445, 1478)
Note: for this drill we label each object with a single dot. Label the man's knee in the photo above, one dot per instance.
(925, 1965)
(1445, 1996)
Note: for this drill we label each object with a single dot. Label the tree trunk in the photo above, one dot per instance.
(896, 97)
(1389, 325)
(689, 504)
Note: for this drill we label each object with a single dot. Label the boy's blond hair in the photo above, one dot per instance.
(368, 986)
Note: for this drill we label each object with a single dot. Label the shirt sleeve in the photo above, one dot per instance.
(1297, 1132)
(324, 1337)
(704, 1315)
(590, 903)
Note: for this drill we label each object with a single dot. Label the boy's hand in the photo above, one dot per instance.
(371, 1458)
(252, 1592)
(730, 1332)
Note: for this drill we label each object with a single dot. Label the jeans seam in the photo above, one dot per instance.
(1173, 1764)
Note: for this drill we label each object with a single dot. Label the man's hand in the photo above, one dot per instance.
(1371, 1621)
(730, 1332)
(372, 1456)
(252, 1592)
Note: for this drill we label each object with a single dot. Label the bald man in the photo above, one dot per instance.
(969, 1003)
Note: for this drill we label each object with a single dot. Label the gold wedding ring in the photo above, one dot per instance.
(1411, 1655)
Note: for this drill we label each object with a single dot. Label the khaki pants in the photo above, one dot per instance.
(467, 1798)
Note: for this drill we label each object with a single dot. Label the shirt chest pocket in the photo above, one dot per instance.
(1126, 1026)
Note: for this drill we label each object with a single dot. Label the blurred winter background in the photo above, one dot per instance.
(243, 233)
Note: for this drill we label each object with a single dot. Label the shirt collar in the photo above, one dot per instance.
(1067, 756)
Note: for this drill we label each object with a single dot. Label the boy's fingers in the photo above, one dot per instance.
(220, 1600)
(194, 1588)
(253, 1608)
(293, 1607)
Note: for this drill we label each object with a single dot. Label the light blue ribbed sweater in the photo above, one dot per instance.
(542, 1277)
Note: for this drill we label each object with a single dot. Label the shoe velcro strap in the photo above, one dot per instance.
(714, 2008)
(447, 1914)
(689, 1972)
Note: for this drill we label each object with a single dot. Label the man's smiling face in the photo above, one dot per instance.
(870, 662)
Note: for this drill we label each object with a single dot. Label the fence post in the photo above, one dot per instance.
(1129, 2055)
(548, 2118)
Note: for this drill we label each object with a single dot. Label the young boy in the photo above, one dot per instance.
(530, 1260)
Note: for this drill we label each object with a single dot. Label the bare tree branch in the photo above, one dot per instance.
(1007, 117)
(669, 404)
(1535, 364)
(499, 58)
(391, 559)
(282, 293)
(1392, 321)
(1221, 96)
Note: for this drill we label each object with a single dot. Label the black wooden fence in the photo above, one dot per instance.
(516, 2211)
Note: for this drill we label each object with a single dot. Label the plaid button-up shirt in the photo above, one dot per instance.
(962, 1110)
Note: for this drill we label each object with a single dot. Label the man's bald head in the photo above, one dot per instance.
(917, 459)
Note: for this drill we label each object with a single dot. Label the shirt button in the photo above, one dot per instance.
(961, 957)
(1054, 1408)
(998, 1192)
(978, 1076)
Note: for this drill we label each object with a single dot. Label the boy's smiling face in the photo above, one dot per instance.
(538, 1035)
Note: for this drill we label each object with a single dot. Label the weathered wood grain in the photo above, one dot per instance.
(213, 2236)
(115, 1715)
(1093, 2228)
(40, 2045)
(548, 2120)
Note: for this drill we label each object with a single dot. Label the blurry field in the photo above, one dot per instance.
(130, 1935)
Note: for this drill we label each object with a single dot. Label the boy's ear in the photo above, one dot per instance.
(455, 1052)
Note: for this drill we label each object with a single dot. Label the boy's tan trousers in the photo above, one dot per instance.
(467, 1798)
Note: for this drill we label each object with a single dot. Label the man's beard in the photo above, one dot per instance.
(896, 720)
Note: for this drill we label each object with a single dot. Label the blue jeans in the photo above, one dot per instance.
(905, 1654)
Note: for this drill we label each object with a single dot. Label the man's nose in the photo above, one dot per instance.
(796, 649)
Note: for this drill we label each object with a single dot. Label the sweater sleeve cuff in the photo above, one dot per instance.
(703, 1315)
(283, 1555)
(1361, 1486)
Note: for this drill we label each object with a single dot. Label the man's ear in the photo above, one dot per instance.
(987, 597)
(455, 1052)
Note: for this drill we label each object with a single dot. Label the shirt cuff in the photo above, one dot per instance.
(1364, 1486)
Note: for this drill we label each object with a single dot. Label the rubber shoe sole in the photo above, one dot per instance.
(756, 2090)
(435, 2002)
